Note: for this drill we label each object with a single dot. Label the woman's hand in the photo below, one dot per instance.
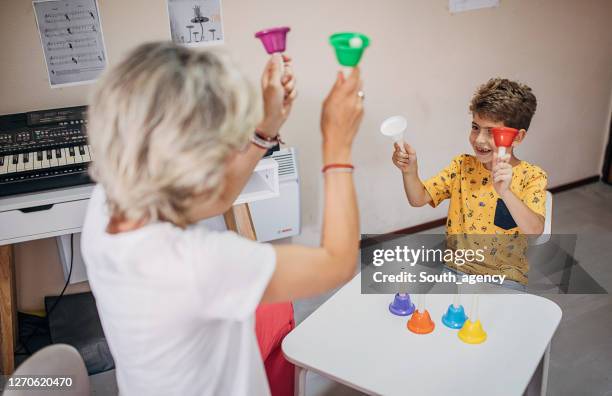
(341, 117)
(279, 92)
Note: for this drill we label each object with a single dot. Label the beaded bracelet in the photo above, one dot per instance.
(265, 142)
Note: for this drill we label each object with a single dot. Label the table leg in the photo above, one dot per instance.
(545, 366)
(300, 381)
(539, 381)
(8, 317)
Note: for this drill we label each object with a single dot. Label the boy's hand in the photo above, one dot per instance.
(502, 174)
(405, 161)
(279, 92)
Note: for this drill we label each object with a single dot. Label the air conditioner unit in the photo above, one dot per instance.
(279, 217)
(263, 183)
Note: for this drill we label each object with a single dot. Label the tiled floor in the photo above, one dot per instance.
(581, 359)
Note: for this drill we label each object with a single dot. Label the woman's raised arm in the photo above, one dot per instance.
(305, 271)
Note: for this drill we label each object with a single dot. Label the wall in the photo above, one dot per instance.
(423, 63)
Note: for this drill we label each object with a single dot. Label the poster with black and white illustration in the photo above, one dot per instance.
(195, 22)
(71, 36)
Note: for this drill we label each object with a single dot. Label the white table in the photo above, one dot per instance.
(354, 339)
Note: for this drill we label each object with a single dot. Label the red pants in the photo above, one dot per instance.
(272, 323)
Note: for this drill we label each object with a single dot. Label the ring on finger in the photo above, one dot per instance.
(361, 95)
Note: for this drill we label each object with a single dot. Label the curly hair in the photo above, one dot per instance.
(503, 100)
(162, 123)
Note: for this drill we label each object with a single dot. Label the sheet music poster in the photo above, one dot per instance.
(71, 36)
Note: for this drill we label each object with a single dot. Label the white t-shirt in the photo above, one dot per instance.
(178, 305)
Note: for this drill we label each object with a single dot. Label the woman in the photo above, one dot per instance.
(171, 131)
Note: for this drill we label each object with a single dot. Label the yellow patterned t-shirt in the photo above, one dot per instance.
(478, 217)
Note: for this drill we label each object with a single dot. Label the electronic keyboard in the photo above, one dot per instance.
(42, 150)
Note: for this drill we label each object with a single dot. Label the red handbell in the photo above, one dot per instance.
(504, 136)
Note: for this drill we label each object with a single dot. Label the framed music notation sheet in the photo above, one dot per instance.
(71, 36)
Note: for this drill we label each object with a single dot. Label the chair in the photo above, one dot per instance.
(541, 257)
(57, 360)
(545, 237)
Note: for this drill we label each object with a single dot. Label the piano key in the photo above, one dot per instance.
(45, 160)
(58, 153)
(4, 163)
(12, 167)
(78, 159)
(38, 160)
(90, 152)
(62, 157)
(49, 154)
(53, 161)
(15, 159)
(20, 163)
(86, 156)
(82, 150)
(28, 160)
(69, 155)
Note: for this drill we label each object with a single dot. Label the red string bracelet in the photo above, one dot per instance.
(337, 166)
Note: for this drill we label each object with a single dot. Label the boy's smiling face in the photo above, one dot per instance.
(481, 138)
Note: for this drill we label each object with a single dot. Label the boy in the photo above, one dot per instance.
(489, 195)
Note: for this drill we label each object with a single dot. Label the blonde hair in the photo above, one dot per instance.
(161, 126)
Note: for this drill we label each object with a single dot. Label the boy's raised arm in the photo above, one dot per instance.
(406, 161)
(527, 220)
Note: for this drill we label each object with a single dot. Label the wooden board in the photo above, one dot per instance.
(238, 219)
(8, 313)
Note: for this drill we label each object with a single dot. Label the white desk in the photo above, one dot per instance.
(354, 339)
(28, 217)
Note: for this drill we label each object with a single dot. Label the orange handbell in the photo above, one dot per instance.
(420, 322)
